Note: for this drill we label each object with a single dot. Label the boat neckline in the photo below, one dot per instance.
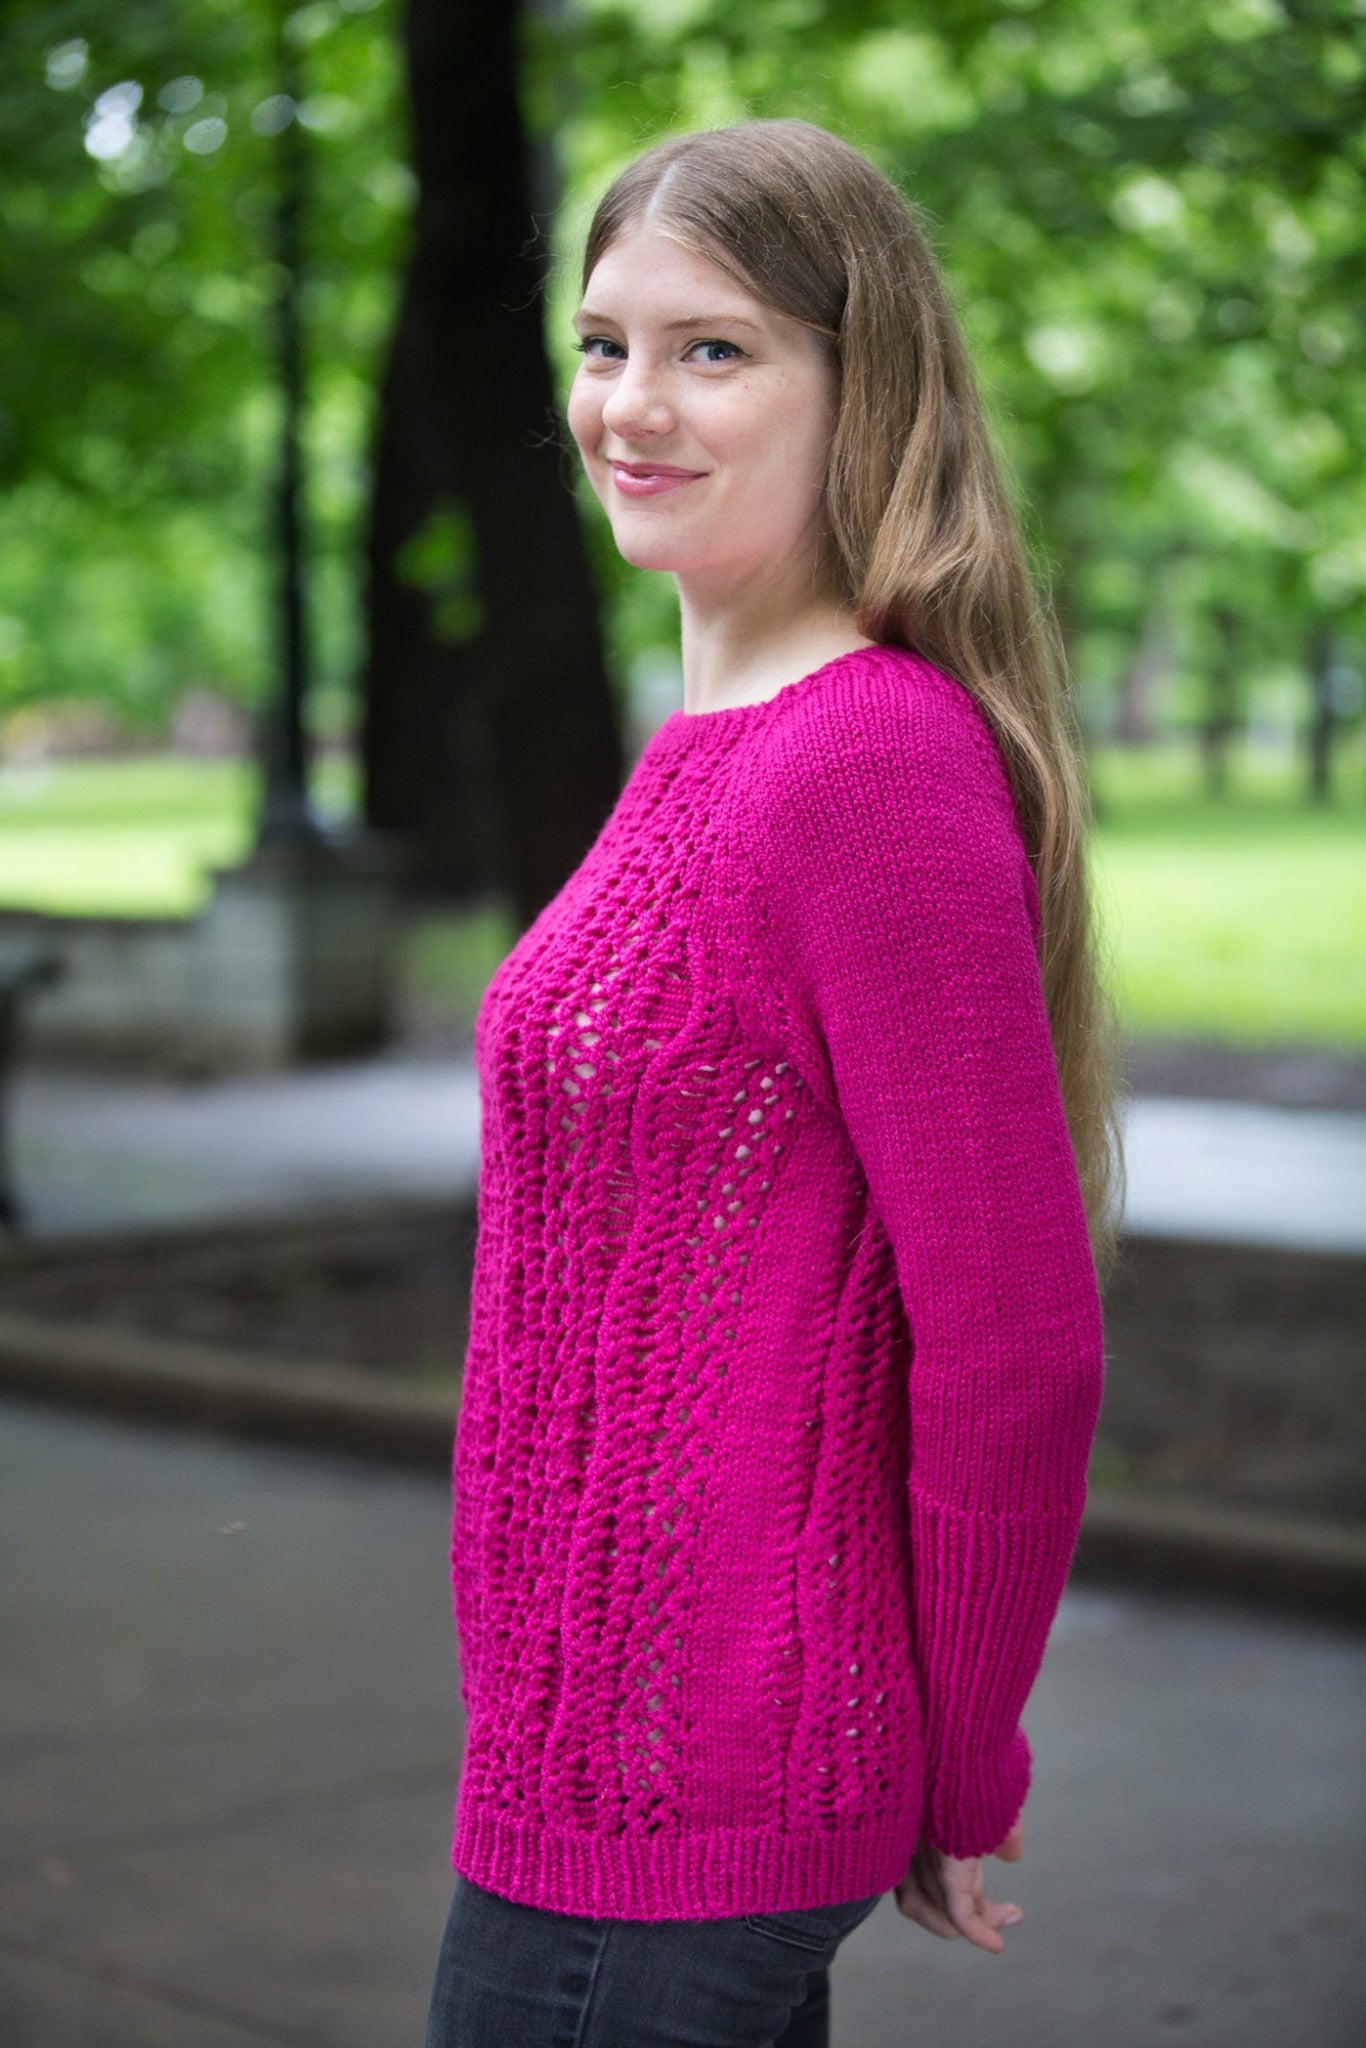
(681, 718)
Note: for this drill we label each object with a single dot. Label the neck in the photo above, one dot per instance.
(743, 644)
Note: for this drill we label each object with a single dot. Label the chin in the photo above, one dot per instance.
(644, 551)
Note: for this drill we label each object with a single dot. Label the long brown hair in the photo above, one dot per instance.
(921, 539)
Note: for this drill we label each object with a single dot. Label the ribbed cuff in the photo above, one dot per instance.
(973, 1819)
(987, 1587)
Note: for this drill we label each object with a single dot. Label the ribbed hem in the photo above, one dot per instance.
(703, 1876)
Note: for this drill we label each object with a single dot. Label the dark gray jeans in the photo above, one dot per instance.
(512, 1976)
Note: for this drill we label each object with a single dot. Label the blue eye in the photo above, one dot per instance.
(586, 346)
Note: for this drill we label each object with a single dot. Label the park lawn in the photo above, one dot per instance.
(1253, 942)
(128, 838)
(1244, 923)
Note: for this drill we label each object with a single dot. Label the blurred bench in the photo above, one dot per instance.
(20, 973)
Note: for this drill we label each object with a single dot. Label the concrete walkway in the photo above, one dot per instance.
(94, 1152)
(1242, 1173)
(229, 1743)
(102, 1153)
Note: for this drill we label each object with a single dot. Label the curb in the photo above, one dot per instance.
(1308, 1563)
(328, 1407)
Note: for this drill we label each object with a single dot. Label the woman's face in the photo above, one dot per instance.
(702, 415)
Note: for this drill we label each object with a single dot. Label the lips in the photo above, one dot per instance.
(648, 469)
(652, 479)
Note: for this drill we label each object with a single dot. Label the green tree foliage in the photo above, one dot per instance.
(1151, 218)
(138, 409)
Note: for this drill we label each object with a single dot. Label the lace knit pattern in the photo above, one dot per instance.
(786, 1346)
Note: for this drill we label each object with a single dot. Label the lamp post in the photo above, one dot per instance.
(295, 956)
(286, 818)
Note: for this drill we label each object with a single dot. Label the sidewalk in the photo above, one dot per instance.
(94, 1152)
(1242, 1173)
(230, 1739)
(98, 1153)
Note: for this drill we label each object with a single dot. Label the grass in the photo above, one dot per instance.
(132, 838)
(129, 838)
(1243, 922)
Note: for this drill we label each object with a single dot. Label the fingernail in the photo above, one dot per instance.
(1013, 1919)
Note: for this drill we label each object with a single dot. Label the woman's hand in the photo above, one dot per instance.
(947, 1894)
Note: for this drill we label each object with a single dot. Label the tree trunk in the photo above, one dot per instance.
(1322, 713)
(1221, 704)
(495, 743)
(1151, 665)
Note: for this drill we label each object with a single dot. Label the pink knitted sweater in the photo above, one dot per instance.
(786, 1345)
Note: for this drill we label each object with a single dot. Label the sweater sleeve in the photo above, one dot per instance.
(896, 921)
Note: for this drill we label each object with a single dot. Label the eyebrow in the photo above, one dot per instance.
(671, 326)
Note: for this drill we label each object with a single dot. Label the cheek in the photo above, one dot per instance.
(781, 448)
(583, 412)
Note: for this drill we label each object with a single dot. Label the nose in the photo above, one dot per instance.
(636, 406)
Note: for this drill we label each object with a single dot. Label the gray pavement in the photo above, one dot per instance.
(96, 1153)
(1247, 1173)
(229, 1740)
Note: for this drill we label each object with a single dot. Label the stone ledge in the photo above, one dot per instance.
(1308, 1562)
(129, 1373)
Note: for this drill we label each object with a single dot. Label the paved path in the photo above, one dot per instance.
(1244, 1173)
(229, 1737)
(95, 1153)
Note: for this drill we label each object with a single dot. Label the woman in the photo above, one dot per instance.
(798, 1167)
